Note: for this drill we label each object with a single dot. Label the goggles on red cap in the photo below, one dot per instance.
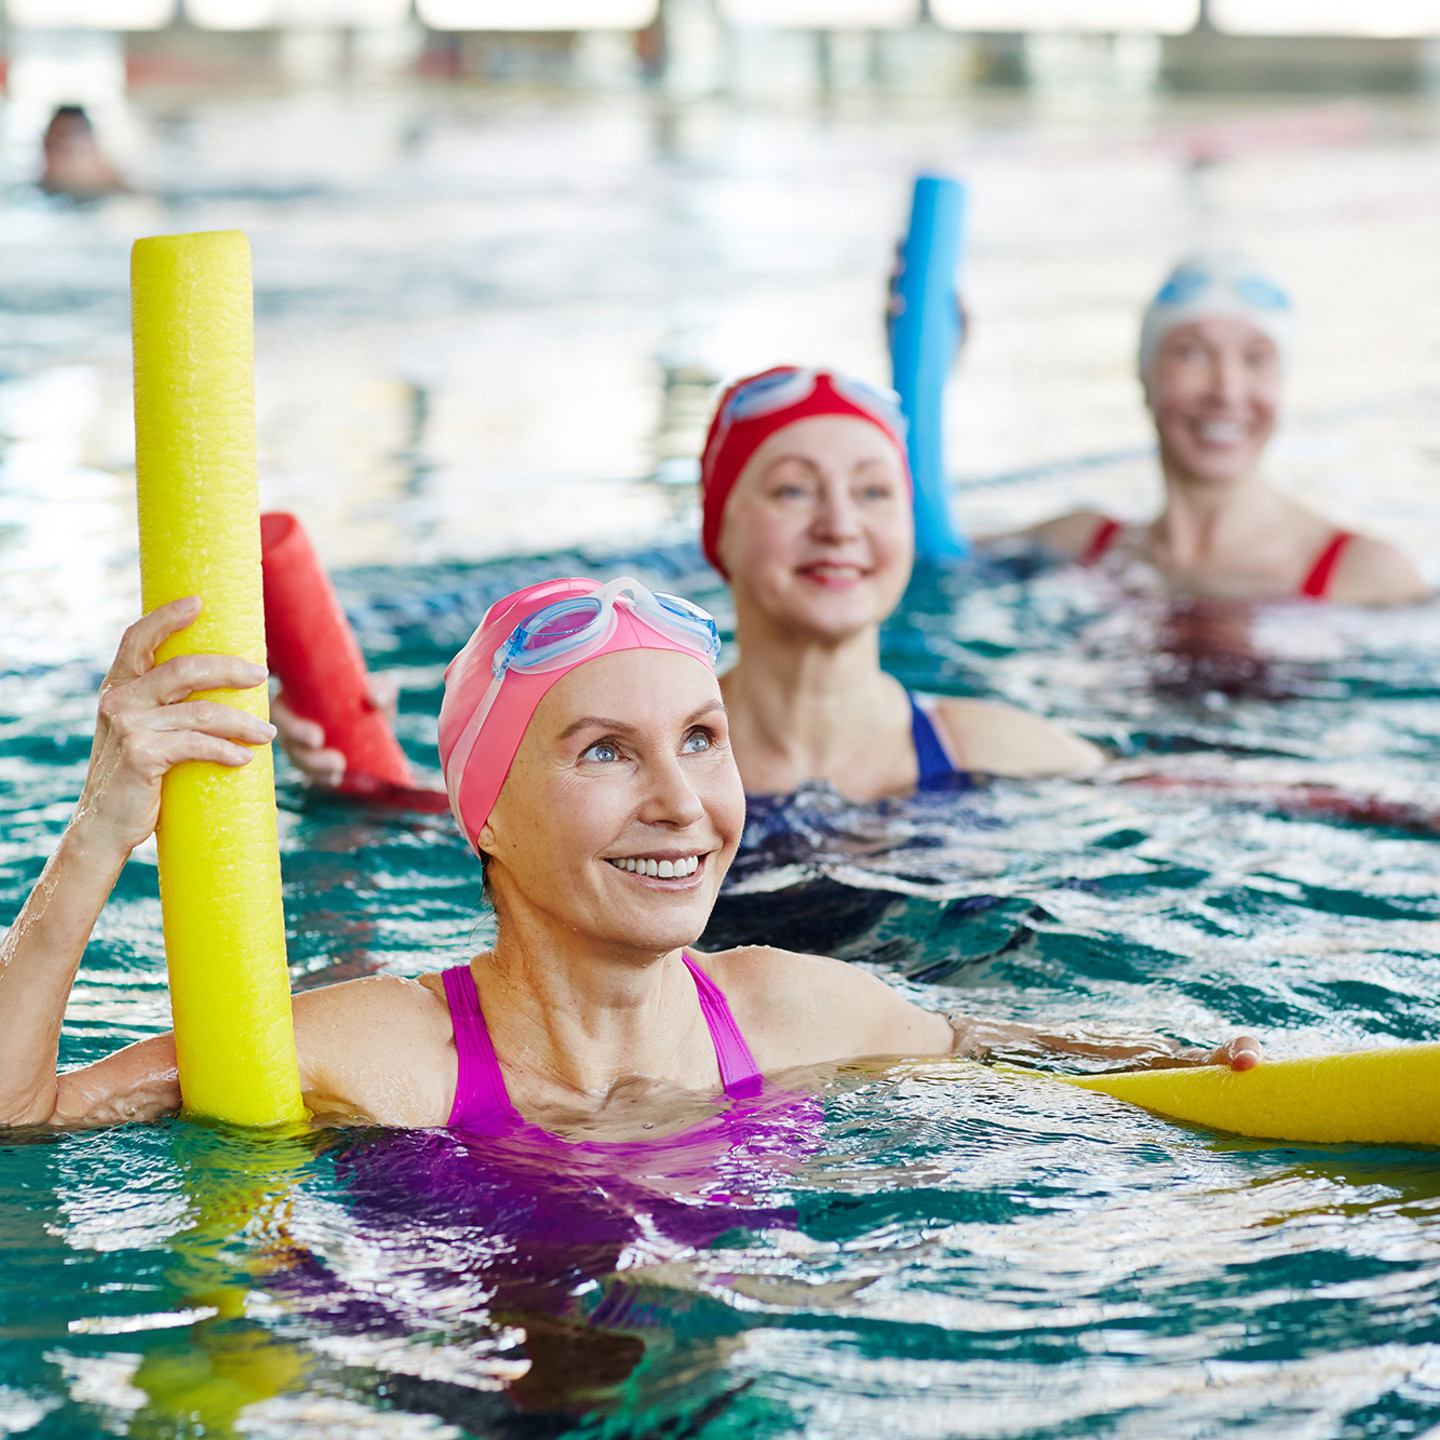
(753, 409)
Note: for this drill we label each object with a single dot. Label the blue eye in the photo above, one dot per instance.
(695, 743)
(603, 752)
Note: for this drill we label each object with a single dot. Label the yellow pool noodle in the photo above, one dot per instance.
(1368, 1097)
(200, 535)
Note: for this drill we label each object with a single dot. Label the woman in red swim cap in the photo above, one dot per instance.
(588, 761)
(808, 515)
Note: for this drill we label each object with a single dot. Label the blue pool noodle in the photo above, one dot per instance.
(923, 340)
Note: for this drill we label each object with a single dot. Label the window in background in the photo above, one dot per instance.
(1159, 17)
(91, 14)
(822, 14)
(266, 14)
(1327, 17)
(537, 14)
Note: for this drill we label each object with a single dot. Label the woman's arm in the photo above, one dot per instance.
(811, 1010)
(146, 724)
(992, 1039)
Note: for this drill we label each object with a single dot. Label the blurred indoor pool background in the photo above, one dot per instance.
(489, 322)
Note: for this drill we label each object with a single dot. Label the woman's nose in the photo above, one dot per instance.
(1227, 378)
(671, 799)
(835, 516)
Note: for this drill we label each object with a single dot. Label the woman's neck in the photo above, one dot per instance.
(803, 708)
(573, 1017)
(1205, 525)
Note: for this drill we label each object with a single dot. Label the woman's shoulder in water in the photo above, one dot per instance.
(795, 1009)
(988, 737)
(1371, 571)
(1068, 536)
(383, 1042)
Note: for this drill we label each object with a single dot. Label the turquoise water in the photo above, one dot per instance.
(950, 1251)
(481, 339)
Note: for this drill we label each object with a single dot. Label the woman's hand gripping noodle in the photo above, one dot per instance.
(147, 722)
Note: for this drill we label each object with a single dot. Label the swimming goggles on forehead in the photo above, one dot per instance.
(571, 630)
(781, 389)
(1185, 287)
(576, 628)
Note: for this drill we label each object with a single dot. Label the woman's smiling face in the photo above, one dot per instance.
(819, 532)
(1214, 390)
(623, 808)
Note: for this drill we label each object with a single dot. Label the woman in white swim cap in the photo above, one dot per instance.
(1213, 350)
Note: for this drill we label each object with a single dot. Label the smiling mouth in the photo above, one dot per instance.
(830, 574)
(1222, 432)
(673, 867)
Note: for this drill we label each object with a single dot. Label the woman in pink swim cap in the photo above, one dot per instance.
(587, 755)
(808, 514)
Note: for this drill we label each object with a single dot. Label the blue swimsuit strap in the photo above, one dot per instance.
(935, 762)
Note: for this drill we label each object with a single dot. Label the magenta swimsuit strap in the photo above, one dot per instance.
(739, 1073)
(481, 1099)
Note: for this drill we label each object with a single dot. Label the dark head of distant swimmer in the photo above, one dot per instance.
(74, 165)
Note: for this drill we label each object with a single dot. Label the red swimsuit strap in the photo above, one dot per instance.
(1100, 541)
(1317, 582)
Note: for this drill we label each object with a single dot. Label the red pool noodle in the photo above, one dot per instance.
(314, 653)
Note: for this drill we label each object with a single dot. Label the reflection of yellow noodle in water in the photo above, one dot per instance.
(1370, 1097)
(200, 535)
(240, 1189)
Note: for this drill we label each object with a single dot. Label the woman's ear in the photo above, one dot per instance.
(485, 840)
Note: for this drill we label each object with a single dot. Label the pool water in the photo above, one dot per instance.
(944, 1249)
(948, 1250)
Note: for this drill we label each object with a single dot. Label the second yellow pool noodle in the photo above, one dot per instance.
(199, 517)
(1368, 1097)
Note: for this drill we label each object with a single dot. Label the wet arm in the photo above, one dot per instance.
(146, 724)
(38, 961)
(1027, 1044)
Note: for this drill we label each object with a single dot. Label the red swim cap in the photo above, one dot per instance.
(753, 409)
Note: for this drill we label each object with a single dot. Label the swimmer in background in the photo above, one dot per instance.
(593, 775)
(74, 165)
(1214, 346)
(808, 514)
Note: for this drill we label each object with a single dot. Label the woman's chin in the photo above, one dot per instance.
(1217, 471)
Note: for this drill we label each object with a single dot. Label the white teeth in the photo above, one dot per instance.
(1222, 432)
(661, 869)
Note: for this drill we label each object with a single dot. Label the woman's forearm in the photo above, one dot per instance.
(993, 1039)
(38, 960)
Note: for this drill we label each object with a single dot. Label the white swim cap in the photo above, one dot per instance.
(1211, 283)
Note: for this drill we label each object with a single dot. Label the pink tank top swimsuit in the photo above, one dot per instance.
(482, 1102)
(1316, 583)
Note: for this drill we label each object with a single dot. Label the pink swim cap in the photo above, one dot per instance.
(484, 716)
(753, 409)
